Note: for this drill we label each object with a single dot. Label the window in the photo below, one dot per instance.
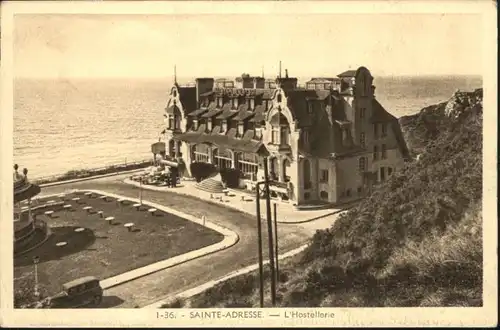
(170, 122)
(241, 129)
(384, 130)
(175, 93)
(324, 176)
(252, 104)
(348, 192)
(382, 174)
(200, 152)
(323, 195)
(362, 164)
(223, 158)
(219, 102)
(362, 139)
(279, 98)
(195, 124)
(209, 124)
(307, 196)
(310, 86)
(235, 103)
(360, 190)
(389, 171)
(384, 152)
(284, 135)
(310, 108)
(177, 122)
(224, 126)
(362, 113)
(305, 137)
(275, 135)
(375, 153)
(248, 164)
(375, 131)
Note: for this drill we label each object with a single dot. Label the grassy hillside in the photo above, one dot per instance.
(416, 241)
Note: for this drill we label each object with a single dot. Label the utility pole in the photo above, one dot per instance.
(259, 234)
(35, 263)
(140, 190)
(270, 234)
(276, 242)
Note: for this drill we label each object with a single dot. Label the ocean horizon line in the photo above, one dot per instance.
(192, 78)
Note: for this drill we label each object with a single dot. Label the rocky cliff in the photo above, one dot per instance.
(432, 121)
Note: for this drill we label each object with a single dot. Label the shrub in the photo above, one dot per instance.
(230, 176)
(200, 170)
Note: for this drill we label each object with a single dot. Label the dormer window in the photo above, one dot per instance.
(174, 93)
(209, 124)
(224, 126)
(279, 98)
(241, 129)
(195, 124)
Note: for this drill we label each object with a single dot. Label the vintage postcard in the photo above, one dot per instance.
(261, 163)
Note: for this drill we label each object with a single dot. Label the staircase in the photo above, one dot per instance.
(211, 185)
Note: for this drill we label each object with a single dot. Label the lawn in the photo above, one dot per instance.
(102, 249)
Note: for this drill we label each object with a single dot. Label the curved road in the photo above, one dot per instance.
(151, 288)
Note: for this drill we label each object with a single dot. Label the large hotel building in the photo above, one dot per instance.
(325, 143)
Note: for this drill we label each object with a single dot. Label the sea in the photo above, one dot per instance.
(71, 124)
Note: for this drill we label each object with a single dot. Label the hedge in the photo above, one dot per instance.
(200, 170)
(230, 176)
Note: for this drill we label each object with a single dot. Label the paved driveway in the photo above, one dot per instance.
(154, 287)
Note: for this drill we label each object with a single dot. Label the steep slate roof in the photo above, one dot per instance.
(211, 113)
(243, 115)
(322, 80)
(259, 116)
(226, 114)
(380, 115)
(187, 96)
(347, 74)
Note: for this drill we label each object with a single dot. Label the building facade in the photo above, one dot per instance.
(327, 142)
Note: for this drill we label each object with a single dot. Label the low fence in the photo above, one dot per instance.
(85, 173)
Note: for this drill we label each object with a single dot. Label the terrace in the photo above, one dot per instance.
(95, 235)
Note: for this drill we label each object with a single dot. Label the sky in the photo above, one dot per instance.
(148, 46)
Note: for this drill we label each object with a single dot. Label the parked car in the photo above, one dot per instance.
(82, 292)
